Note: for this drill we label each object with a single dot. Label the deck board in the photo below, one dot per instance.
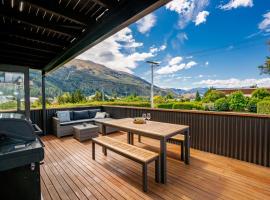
(70, 173)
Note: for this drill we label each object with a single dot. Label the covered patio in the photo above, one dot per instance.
(45, 35)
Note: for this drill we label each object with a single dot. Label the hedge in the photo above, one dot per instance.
(187, 106)
(165, 105)
(263, 107)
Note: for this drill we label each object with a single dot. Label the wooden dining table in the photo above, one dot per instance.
(156, 130)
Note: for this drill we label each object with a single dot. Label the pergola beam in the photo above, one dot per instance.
(106, 3)
(55, 8)
(37, 22)
(19, 31)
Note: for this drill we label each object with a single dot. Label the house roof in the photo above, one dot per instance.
(44, 34)
(246, 91)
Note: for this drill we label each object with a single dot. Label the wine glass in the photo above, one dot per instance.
(148, 117)
(144, 115)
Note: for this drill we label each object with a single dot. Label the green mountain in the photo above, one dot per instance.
(90, 77)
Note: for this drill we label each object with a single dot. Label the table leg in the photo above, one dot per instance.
(103, 132)
(128, 137)
(132, 138)
(139, 138)
(163, 161)
(187, 147)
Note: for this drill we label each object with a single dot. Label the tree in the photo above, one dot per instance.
(265, 68)
(260, 93)
(158, 99)
(237, 101)
(169, 96)
(221, 104)
(97, 96)
(77, 97)
(198, 96)
(213, 95)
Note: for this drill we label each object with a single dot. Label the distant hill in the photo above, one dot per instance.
(89, 77)
(189, 91)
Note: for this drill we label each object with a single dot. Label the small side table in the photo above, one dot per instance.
(85, 132)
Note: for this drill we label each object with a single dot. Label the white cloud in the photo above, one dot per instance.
(119, 52)
(201, 17)
(174, 65)
(265, 24)
(175, 60)
(154, 49)
(236, 3)
(206, 63)
(234, 83)
(145, 24)
(187, 9)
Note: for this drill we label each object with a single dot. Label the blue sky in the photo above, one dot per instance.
(199, 43)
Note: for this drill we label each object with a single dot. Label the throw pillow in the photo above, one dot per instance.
(100, 115)
(63, 116)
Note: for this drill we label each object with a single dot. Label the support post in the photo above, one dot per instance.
(27, 94)
(152, 86)
(93, 151)
(44, 114)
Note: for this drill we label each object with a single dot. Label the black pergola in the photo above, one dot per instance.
(45, 34)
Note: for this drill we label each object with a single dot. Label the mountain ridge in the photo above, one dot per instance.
(90, 77)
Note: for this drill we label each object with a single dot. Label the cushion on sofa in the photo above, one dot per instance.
(71, 115)
(74, 122)
(92, 112)
(63, 116)
(82, 114)
(100, 115)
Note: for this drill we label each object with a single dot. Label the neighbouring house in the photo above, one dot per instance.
(247, 91)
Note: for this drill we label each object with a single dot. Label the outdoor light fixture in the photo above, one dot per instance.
(152, 64)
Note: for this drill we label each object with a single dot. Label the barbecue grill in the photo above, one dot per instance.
(21, 152)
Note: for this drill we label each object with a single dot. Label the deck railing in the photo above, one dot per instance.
(237, 135)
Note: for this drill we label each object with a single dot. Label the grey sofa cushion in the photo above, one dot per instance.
(92, 113)
(82, 114)
(63, 116)
(71, 115)
(76, 122)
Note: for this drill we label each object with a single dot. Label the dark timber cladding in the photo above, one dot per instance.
(44, 34)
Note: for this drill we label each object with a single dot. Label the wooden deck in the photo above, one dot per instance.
(70, 173)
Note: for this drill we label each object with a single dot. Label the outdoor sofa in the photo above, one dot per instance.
(65, 127)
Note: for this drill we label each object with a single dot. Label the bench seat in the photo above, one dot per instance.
(139, 155)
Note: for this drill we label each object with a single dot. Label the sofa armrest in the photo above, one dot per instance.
(56, 120)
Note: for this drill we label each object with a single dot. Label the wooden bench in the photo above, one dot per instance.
(139, 155)
(177, 139)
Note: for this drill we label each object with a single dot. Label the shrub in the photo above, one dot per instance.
(252, 104)
(159, 99)
(187, 106)
(165, 105)
(263, 107)
(208, 106)
(266, 98)
(213, 95)
(222, 104)
(237, 101)
(260, 93)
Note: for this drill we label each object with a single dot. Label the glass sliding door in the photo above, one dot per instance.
(12, 93)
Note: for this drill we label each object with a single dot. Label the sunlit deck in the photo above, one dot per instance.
(70, 173)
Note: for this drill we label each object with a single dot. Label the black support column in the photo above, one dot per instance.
(44, 114)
